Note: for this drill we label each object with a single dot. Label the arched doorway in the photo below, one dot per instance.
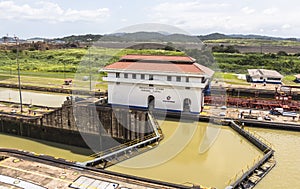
(151, 102)
(187, 105)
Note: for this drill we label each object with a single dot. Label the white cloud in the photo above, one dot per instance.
(270, 11)
(248, 10)
(286, 26)
(189, 6)
(48, 11)
(197, 17)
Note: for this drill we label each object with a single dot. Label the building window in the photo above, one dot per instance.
(150, 85)
(187, 88)
(118, 83)
(150, 77)
(133, 76)
(169, 78)
(187, 79)
(178, 78)
(117, 75)
(273, 78)
(125, 75)
(142, 76)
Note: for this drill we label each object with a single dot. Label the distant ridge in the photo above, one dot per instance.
(149, 37)
(157, 37)
(214, 36)
(161, 36)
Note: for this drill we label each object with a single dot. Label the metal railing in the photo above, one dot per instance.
(259, 142)
(127, 147)
(122, 146)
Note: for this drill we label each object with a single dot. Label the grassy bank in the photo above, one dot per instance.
(253, 42)
(67, 60)
(239, 63)
(49, 68)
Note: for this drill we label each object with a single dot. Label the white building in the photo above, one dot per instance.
(264, 76)
(173, 83)
(297, 78)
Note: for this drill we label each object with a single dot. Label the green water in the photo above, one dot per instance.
(44, 147)
(287, 155)
(185, 156)
(180, 158)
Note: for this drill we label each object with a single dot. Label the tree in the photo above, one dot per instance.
(4, 38)
(282, 53)
(225, 49)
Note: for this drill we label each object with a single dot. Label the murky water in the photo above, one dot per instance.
(30, 97)
(286, 172)
(44, 147)
(180, 158)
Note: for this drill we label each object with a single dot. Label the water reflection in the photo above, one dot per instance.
(29, 97)
(214, 167)
(44, 147)
(287, 155)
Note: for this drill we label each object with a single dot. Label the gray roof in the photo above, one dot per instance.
(264, 73)
(297, 76)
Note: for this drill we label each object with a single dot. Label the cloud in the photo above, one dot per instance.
(270, 11)
(198, 17)
(48, 11)
(248, 10)
(189, 6)
(286, 26)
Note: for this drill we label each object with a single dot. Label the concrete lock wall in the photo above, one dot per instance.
(73, 122)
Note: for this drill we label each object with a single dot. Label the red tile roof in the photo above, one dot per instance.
(186, 59)
(186, 66)
(161, 67)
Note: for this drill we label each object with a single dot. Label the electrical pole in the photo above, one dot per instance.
(89, 51)
(19, 78)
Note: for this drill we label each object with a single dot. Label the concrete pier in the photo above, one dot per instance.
(23, 169)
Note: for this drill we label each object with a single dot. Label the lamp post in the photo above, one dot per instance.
(19, 78)
(90, 74)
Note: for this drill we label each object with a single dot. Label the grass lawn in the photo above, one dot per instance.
(51, 67)
(230, 78)
(254, 42)
(53, 80)
(5, 77)
(289, 80)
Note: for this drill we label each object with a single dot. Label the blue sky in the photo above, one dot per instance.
(57, 18)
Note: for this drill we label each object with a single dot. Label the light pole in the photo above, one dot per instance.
(90, 74)
(19, 78)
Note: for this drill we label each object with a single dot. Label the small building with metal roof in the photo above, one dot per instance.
(264, 76)
(297, 78)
